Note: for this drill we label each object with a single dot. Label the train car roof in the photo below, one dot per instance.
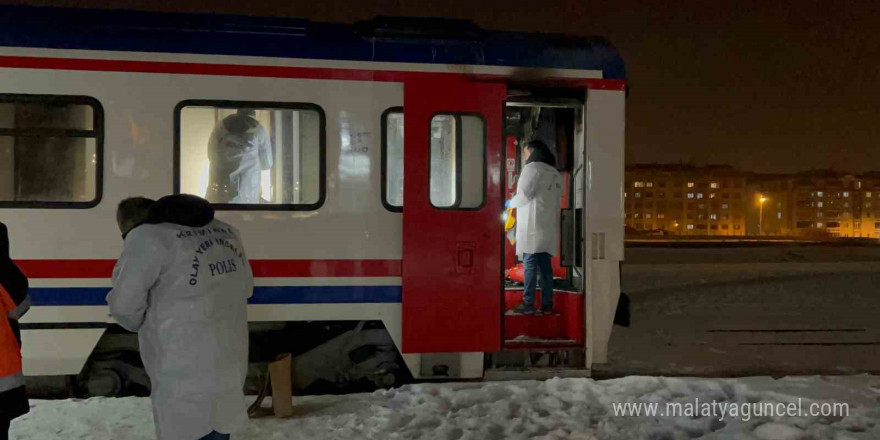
(384, 39)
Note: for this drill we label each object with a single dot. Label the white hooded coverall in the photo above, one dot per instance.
(184, 290)
(238, 149)
(537, 203)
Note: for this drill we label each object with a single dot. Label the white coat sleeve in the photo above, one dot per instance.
(526, 188)
(265, 150)
(136, 272)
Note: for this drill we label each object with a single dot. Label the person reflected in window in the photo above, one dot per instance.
(238, 150)
(537, 203)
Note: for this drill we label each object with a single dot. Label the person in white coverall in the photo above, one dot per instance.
(239, 148)
(537, 202)
(182, 284)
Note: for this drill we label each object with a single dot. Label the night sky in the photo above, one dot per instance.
(764, 86)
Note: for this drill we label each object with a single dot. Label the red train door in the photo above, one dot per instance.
(451, 215)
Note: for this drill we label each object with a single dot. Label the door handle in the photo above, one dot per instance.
(597, 245)
(464, 261)
(466, 258)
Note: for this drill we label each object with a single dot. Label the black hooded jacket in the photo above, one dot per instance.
(181, 209)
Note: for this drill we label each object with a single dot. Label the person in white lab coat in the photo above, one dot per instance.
(537, 202)
(239, 148)
(182, 284)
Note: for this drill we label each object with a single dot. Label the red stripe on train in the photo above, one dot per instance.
(262, 268)
(98, 65)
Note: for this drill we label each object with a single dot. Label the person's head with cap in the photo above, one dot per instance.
(537, 151)
(132, 212)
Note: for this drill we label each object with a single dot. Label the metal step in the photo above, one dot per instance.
(534, 373)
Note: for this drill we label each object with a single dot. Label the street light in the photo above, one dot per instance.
(761, 216)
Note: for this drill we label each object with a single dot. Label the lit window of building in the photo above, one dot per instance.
(690, 195)
(868, 194)
(779, 215)
(819, 204)
(699, 195)
(650, 184)
(820, 194)
(712, 195)
(624, 194)
(636, 215)
(819, 224)
(690, 226)
(713, 216)
(638, 195)
(661, 215)
(846, 193)
(690, 184)
(724, 206)
(713, 185)
(648, 215)
(639, 184)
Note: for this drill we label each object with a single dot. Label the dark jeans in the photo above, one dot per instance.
(533, 263)
(214, 435)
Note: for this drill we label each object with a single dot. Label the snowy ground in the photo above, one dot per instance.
(780, 310)
(556, 409)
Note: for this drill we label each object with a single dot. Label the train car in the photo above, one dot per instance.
(360, 276)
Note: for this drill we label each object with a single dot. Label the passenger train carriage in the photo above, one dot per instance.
(394, 144)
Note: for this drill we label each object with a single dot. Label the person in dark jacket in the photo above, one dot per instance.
(13, 304)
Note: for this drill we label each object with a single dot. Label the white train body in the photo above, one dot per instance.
(341, 261)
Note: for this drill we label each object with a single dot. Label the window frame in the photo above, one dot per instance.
(97, 133)
(384, 158)
(260, 105)
(458, 159)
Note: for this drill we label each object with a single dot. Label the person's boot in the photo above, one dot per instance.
(546, 310)
(523, 309)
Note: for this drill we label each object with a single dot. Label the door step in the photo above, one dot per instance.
(497, 374)
(534, 326)
(543, 344)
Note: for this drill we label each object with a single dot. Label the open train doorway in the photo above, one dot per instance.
(554, 338)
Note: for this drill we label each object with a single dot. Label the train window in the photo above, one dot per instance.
(50, 151)
(251, 155)
(392, 159)
(458, 161)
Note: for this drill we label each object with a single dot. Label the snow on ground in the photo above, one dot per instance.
(579, 409)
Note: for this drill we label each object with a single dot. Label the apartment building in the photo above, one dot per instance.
(721, 200)
(686, 200)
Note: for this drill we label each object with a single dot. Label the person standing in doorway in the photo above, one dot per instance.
(13, 304)
(182, 284)
(537, 202)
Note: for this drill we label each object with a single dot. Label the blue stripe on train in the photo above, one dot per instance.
(89, 296)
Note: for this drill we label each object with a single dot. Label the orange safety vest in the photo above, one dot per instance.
(10, 351)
